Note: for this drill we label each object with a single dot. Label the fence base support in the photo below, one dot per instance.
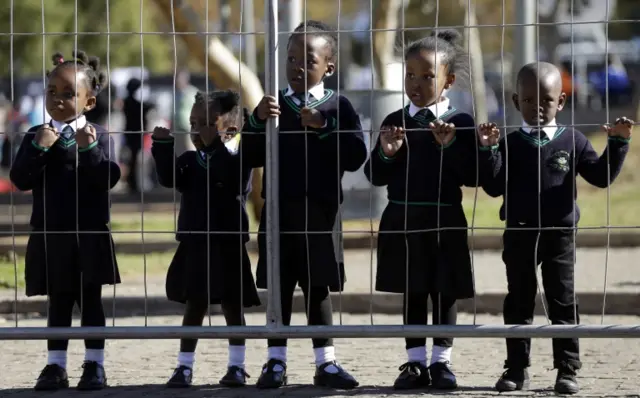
(305, 332)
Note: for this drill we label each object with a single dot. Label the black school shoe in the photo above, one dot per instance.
(566, 382)
(271, 378)
(182, 377)
(513, 379)
(52, 377)
(413, 375)
(442, 378)
(93, 377)
(235, 377)
(339, 381)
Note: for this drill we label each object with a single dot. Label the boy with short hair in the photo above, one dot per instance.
(544, 213)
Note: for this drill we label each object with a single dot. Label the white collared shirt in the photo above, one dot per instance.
(438, 109)
(549, 128)
(232, 146)
(316, 92)
(76, 124)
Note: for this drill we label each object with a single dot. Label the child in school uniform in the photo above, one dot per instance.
(313, 159)
(425, 153)
(211, 264)
(543, 160)
(67, 165)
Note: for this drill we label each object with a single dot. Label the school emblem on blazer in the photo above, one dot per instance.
(560, 161)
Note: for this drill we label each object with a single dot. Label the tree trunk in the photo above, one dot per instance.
(385, 23)
(224, 70)
(476, 67)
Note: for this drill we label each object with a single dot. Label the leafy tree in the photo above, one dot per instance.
(60, 17)
(626, 10)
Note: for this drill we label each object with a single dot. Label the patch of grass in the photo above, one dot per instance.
(129, 265)
(155, 222)
(152, 222)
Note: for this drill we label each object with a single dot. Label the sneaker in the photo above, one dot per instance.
(513, 379)
(413, 375)
(235, 377)
(341, 380)
(52, 377)
(93, 377)
(182, 377)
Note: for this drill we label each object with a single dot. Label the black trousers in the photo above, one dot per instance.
(555, 253)
(89, 301)
(445, 312)
(317, 302)
(195, 312)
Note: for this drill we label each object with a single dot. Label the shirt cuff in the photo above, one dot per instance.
(167, 140)
(91, 155)
(385, 158)
(620, 140)
(330, 125)
(255, 122)
(90, 147)
(38, 147)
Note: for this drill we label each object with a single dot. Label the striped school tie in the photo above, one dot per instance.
(301, 97)
(537, 133)
(425, 114)
(67, 132)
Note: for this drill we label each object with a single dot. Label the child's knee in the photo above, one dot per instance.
(316, 294)
(194, 313)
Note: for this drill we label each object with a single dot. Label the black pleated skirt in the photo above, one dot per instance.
(416, 260)
(220, 272)
(306, 258)
(59, 262)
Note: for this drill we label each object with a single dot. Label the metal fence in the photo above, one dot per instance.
(526, 24)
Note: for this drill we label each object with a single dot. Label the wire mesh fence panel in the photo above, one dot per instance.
(422, 154)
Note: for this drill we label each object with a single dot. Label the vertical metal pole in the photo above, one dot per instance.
(274, 310)
(249, 27)
(524, 47)
(291, 17)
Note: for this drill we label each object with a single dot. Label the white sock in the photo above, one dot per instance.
(186, 359)
(94, 355)
(418, 354)
(324, 355)
(279, 353)
(236, 356)
(57, 358)
(441, 354)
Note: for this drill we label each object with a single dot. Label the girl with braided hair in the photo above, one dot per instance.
(67, 164)
(211, 264)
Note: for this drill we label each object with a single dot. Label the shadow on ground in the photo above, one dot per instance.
(208, 391)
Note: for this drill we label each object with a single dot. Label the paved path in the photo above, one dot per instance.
(139, 368)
